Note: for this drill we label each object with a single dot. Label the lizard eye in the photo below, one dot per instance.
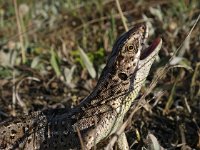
(130, 47)
(123, 76)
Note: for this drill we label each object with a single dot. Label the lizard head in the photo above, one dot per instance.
(130, 61)
(129, 49)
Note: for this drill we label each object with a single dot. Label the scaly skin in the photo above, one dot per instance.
(100, 114)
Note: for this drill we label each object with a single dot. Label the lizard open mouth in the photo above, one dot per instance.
(147, 51)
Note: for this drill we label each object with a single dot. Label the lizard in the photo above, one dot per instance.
(101, 113)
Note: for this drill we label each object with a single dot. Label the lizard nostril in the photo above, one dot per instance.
(123, 76)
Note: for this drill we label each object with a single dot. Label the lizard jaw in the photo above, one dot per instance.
(154, 46)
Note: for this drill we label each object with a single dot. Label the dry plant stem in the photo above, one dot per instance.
(121, 15)
(152, 85)
(19, 32)
(80, 138)
(13, 94)
(20, 101)
(183, 139)
(187, 105)
(188, 36)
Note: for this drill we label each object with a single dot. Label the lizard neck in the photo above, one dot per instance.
(118, 94)
(142, 72)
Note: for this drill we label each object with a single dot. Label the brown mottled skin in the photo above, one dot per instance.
(100, 114)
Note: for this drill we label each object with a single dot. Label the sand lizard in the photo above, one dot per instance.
(99, 114)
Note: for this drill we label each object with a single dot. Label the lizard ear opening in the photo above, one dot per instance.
(123, 76)
(150, 49)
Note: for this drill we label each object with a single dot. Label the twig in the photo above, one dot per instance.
(80, 138)
(20, 31)
(13, 94)
(183, 139)
(21, 103)
(121, 15)
(188, 36)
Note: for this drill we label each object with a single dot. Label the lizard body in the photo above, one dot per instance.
(101, 113)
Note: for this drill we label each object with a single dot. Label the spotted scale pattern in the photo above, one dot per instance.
(99, 114)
